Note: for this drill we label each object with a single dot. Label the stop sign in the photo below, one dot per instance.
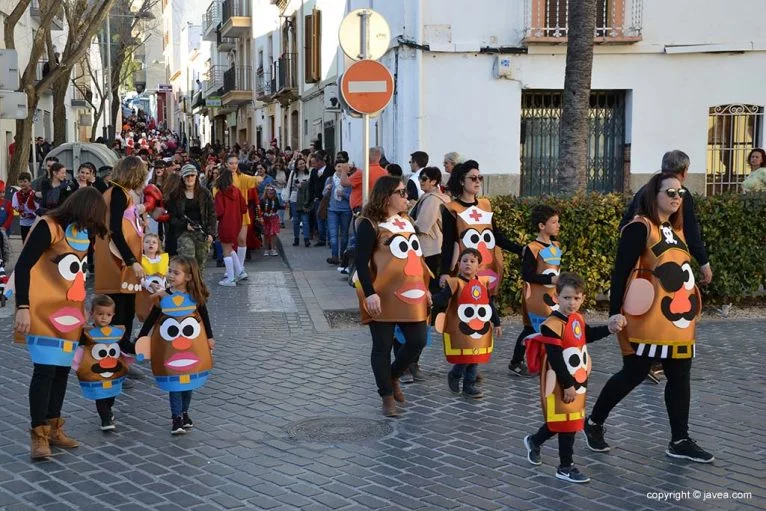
(367, 86)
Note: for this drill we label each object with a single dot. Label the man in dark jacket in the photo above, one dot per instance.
(317, 180)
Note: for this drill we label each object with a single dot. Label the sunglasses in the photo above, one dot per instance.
(673, 193)
(475, 179)
(402, 192)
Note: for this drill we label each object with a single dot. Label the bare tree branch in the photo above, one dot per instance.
(11, 21)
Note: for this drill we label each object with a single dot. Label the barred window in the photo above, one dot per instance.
(733, 131)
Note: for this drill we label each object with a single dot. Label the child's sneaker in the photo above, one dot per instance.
(228, 282)
(571, 474)
(242, 276)
(453, 382)
(470, 390)
(594, 436)
(107, 423)
(519, 369)
(187, 422)
(178, 426)
(533, 451)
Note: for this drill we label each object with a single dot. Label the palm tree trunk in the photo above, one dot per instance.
(573, 138)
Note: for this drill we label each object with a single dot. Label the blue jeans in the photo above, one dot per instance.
(298, 217)
(179, 402)
(466, 371)
(321, 224)
(338, 221)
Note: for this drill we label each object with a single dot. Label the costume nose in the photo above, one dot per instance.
(581, 375)
(76, 292)
(680, 303)
(486, 254)
(476, 324)
(182, 343)
(108, 363)
(413, 266)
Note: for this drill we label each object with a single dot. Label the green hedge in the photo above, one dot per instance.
(733, 226)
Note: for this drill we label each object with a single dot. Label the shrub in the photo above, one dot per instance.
(733, 226)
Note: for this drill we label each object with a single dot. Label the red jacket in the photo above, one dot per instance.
(229, 208)
(6, 214)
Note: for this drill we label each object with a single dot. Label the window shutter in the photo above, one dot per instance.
(308, 38)
(316, 46)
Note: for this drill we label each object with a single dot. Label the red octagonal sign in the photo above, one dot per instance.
(367, 86)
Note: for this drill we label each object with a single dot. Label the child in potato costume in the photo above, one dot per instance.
(181, 339)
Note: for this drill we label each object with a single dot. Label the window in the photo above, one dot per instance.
(616, 20)
(313, 51)
(732, 132)
(540, 120)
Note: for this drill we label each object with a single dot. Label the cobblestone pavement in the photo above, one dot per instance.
(258, 443)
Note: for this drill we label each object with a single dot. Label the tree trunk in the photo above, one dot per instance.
(96, 118)
(60, 88)
(573, 137)
(20, 161)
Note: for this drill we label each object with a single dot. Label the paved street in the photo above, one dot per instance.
(290, 420)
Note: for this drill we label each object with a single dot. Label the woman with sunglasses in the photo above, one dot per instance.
(392, 285)
(654, 287)
(467, 223)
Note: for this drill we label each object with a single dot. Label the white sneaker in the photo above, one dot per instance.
(267, 252)
(275, 252)
(228, 283)
(242, 276)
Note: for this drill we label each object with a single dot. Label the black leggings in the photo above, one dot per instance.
(566, 443)
(104, 407)
(46, 393)
(520, 348)
(380, 358)
(634, 370)
(124, 313)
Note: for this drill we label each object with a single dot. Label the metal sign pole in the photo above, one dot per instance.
(366, 156)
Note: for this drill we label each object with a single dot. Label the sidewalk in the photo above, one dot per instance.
(321, 286)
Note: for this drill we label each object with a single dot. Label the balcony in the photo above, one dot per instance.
(617, 21)
(237, 86)
(211, 20)
(285, 82)
(80, 100)
(213, 81)
(236, 18)
(263, 90)
(226, 43)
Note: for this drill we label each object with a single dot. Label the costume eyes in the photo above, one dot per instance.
(468, 312)
(190, 328)
(471, 238)
(69, 265)
(100, 351)
(400, 246)
(170, 330)
(672, 276)
(575, 358)
(550, 271)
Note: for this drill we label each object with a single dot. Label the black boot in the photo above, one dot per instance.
(296, 242)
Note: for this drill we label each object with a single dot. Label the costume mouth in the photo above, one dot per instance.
(581, 388)
(182, 361)
(486, 272)
(474, 334)
(549, 301)
(67, 319)
(106, 372)
(411, 292)
(681, 320)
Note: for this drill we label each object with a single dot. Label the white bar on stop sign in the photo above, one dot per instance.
(367, 86)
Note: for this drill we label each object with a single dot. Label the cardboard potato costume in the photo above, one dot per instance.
(538, 300)
(112, 274)
(562, 417)
(178, 348)
(100, 367)
(399, 274)
(662, 301)
(57, 296)
(466, 326)
(155, 273)
(474, 230)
